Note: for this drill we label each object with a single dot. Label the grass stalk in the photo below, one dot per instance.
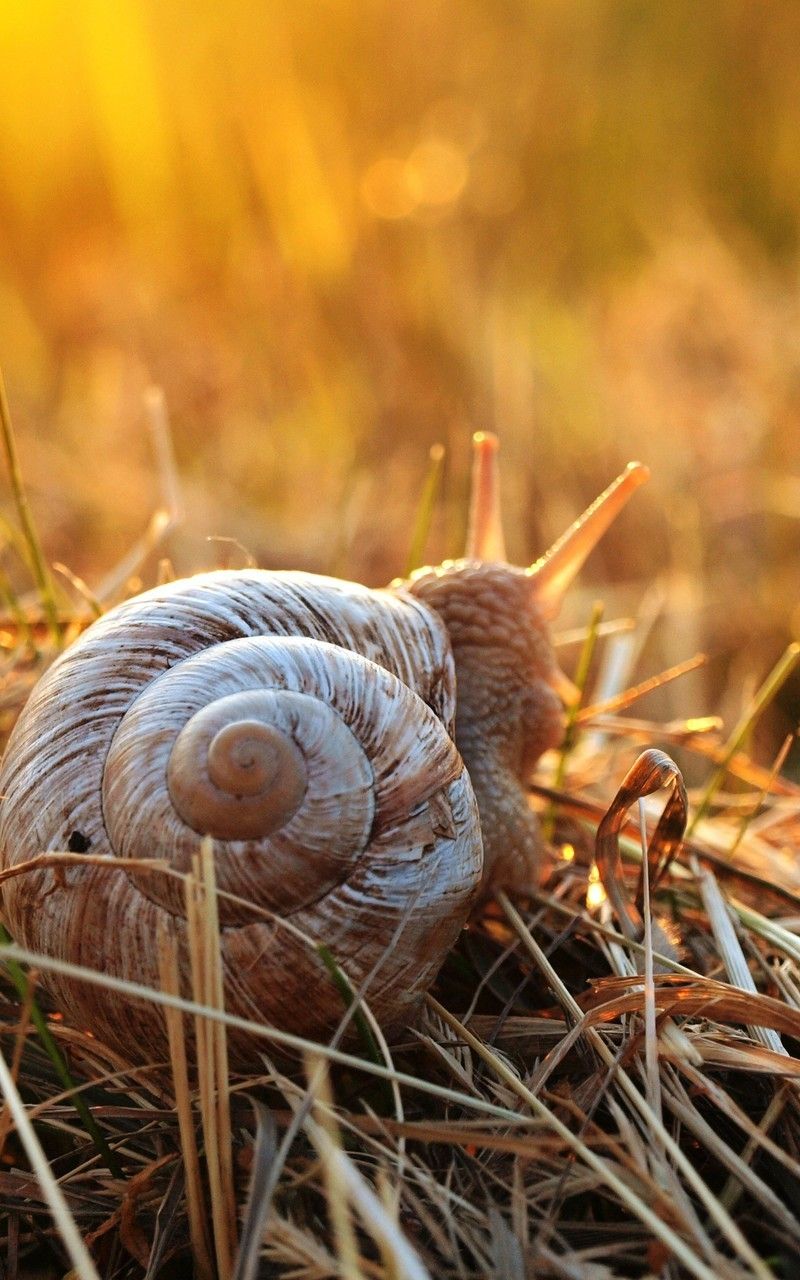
(259, 1030)
(41, 573)
(347, 1186)
(426, 506)
(10, 598)
(204, 953)
(773, 683)
(330, 1151)
(170, 982)
(650, 1025)
(573, 710)
(349, 999)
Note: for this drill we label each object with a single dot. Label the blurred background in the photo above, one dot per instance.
(335, 233)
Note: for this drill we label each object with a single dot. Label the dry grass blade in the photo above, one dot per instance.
(704, 997)
(729, 947)
(114, 582)
(170, 982)
(650, 1030)
(212, 1065)
(680, 1105)
(575, 698)
(752, 810)
(259, 1196)
(629, 696)
(81, 587)
(155, 404)
(297, 1044)
(327, 1139)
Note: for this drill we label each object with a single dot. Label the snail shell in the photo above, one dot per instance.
(306, 725)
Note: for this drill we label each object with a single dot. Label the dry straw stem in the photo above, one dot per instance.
(81, 587)
(733, 1188)
(742, 1176)
(296, 1044)
(258, 1206)
(571, 726)
(356, 1009)
(650, 1026)
(629, 696)
(23, 987)
(327, 1139)
(577, 635)
(730, 948)
(212, 1058)
(155, 405)
(19, 1045)
(170, 982)
(752, 809)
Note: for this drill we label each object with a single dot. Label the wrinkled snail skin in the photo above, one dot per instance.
(507, 713)
(386, 840)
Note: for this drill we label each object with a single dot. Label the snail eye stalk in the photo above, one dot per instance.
(485, 540)
(552, 574)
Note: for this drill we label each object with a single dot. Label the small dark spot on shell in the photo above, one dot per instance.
(78, 843)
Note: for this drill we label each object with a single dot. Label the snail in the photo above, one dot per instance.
(358, 758)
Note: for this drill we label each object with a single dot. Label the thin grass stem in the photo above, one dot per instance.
(41, 573)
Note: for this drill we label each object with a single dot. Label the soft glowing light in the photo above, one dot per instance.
(568, 852)
(701, 724)
(595, 893)
(436, 172)
(386, 191)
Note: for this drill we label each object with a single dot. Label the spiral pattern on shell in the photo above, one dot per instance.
(321, 762)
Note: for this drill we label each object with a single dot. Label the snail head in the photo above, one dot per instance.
(510, 689)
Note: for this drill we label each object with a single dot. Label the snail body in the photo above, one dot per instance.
(358, 758)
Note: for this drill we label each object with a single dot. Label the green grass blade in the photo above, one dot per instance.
(572, 726)
(20, 981)
(776, 678)
(348, 996)
(425, 508)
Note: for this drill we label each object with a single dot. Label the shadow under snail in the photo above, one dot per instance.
(358, 756)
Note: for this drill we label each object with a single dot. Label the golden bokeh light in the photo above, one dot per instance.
(595, 893)
(386, 190)
(436, 172)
